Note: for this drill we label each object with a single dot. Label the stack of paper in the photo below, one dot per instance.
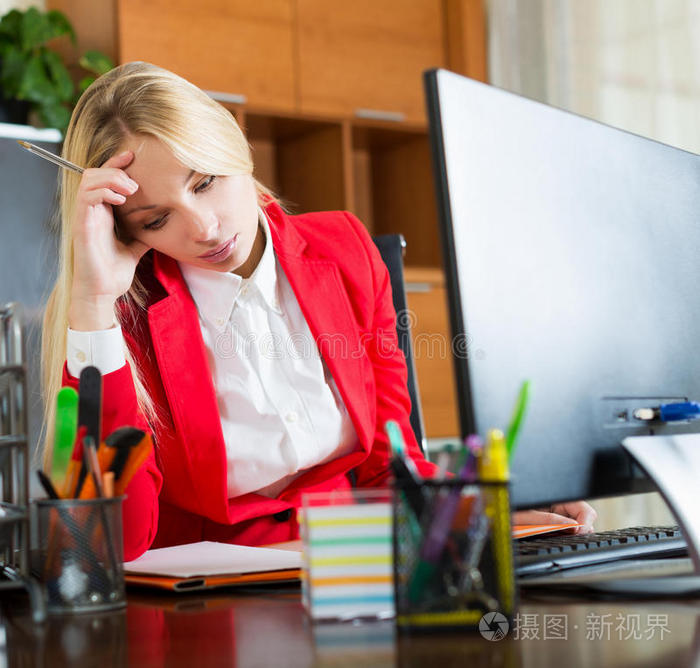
(348, 561)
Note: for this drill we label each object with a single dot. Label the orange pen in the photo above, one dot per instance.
(74, 466)
(122, 453)
(105, 456)
(136, 457)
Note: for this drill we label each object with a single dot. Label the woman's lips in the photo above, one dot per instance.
(220, 253)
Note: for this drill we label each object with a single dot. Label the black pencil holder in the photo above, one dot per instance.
(453, 556)
(81, 554)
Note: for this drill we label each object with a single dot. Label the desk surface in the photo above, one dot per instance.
(270, 630)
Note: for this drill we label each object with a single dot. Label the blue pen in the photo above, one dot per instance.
(675, 412)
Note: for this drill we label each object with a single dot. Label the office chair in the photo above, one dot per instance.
(391, 248)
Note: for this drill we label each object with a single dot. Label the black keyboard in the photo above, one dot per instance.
(548, 554)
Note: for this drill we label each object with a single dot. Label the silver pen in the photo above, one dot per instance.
(47, 155)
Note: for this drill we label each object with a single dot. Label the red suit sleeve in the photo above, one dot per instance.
(140, 507)
(390, 376)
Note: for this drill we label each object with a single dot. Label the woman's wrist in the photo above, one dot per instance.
(91, 314)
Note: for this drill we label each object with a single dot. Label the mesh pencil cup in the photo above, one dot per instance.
(81, 554)
(453, 555)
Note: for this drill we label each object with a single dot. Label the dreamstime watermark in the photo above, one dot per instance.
(231, 342)
(536, 626)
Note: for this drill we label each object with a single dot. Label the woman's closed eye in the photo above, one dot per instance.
(205, 184)
(156, 224)
(201, 187)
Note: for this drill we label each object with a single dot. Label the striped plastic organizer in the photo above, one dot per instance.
(348, 556)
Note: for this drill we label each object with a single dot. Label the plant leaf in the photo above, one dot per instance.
(58, 75)
(36, 85)
(39, 27)
(35, 29)
(83, 85)
(96, 62)
(11, 26)
(54, 116)
(60, 25)
(12, 70)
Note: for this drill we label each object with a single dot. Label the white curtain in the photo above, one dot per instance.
(7, 5)
(633, 64)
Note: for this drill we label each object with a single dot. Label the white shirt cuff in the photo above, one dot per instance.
(103, 349)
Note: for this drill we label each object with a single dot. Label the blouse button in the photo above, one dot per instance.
(291, 416)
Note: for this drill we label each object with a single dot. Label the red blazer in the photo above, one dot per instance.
(180, 494)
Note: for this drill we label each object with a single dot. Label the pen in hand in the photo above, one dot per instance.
(47, 155)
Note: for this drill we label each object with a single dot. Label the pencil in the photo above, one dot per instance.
(47, 155)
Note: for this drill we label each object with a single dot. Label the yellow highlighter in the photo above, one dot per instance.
(493, 467)
(493, 464)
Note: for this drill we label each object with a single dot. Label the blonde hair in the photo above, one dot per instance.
(133, 99)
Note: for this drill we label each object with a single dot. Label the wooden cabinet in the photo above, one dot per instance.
(367, 57)
(305, 68)
(301, 160)
(393, 185)
(432, 350)
(234, 47)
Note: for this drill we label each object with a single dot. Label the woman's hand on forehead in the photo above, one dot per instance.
(103, 265)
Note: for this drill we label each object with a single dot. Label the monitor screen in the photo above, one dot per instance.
(572, 257)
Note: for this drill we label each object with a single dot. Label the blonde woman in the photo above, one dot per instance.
(259, 348)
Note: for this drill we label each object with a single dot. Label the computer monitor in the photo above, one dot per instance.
(572, 258)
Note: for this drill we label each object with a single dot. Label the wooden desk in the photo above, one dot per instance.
(270, 630)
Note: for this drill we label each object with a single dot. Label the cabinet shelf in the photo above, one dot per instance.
(300, 159)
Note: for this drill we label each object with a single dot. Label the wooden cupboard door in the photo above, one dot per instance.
(231, 46)
(301, 161)
(432, 350)
(367, 55)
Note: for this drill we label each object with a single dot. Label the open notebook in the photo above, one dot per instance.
(206, 565)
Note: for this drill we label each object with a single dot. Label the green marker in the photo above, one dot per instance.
(66, 430)
(517, 418)
(393, 431)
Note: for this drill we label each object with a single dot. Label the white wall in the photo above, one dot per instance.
(7, 5)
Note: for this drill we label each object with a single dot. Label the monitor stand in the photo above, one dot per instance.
(673, 463)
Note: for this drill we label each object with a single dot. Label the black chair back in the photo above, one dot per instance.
(391, 248)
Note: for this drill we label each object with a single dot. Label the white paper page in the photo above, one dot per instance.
(673, 462)
(210, 558)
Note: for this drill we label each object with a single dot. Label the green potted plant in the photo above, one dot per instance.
(33, 76)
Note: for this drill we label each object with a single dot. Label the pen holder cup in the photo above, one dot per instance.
(80, 554)
(453, 556)
(347, 555)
